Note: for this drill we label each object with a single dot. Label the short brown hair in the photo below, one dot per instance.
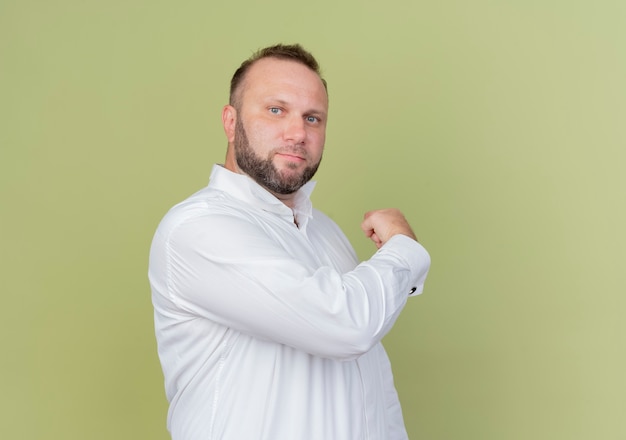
(293, 52)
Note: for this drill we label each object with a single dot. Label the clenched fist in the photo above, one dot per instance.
(382, 224)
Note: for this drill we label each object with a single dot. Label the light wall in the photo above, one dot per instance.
(498, 127)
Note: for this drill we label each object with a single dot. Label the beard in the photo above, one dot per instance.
(264, 172)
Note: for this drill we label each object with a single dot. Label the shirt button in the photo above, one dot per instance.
(413, 289)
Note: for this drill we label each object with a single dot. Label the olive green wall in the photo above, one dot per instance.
(499, 127)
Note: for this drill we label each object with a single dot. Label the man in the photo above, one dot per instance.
(267, 325)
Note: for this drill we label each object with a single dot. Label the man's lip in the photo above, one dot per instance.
(291, 156)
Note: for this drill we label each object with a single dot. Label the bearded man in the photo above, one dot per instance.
(267, 325)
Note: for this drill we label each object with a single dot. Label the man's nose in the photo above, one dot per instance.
(295, 130)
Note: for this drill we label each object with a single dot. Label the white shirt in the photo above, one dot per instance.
(271, 330)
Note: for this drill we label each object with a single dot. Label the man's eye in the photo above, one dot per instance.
(275, 110)
(312, 119)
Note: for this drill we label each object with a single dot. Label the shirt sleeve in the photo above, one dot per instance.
(249, 282)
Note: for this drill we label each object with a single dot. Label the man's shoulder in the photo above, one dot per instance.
(204, 204)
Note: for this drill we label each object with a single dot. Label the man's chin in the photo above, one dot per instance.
(286, 186)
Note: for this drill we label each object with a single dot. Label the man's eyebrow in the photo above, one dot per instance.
(277, 101)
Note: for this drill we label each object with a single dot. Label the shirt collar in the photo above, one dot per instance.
(246, 189)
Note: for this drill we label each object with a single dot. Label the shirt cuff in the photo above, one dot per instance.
(417, 260)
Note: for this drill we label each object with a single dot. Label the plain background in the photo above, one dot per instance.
(498, 127)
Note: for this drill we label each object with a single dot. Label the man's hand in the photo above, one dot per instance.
(382, 224)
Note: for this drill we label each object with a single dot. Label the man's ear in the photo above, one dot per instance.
(229, 121)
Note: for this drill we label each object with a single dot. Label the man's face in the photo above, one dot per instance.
(281, 124)
(265, 172)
